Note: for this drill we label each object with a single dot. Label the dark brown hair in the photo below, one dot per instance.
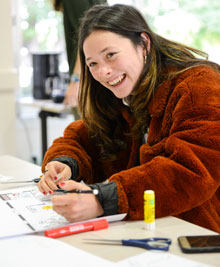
(100, 109)
(57, 4)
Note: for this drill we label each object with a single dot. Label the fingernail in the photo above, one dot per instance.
(55, 178)
(50, 192)
(62, 183)
(44, 193)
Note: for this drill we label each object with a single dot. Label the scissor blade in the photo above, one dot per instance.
(17, 182)
(105, 241)
(35, 180)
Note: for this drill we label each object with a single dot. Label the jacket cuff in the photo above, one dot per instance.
(72, 163)
(107, 197)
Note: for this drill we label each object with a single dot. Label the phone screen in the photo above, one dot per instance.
(198, 244)
(204, 241)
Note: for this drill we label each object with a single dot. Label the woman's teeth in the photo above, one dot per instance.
(116, 81)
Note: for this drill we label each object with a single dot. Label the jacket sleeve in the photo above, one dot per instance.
(183, 166)
(74, 144)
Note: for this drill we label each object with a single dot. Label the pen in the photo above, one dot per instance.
(77, 191)
(77, 228)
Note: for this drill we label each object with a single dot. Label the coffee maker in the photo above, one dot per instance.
(45, 74)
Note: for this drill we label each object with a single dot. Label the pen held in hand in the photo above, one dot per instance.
(76, 191)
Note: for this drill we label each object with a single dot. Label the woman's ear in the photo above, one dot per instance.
(146, 40)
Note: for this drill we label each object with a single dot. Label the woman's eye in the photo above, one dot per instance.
(92, 64)
(109, 55)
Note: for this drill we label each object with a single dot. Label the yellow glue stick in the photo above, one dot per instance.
(149, 209)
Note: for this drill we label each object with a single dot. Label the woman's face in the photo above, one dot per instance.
(114, 61)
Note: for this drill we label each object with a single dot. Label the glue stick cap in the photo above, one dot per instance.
(148, 194)
(149, 209)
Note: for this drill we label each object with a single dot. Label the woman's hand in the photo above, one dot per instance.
(49, 181)
(76, 207)
(71, 95)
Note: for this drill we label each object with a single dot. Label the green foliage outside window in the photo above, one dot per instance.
(194, 23)
(41, 25)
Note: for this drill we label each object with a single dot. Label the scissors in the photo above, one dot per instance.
(154, 243)
(35, 180)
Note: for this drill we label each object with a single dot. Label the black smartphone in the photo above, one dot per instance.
(199, 243)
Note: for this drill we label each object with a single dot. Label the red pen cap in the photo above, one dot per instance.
(77, 228)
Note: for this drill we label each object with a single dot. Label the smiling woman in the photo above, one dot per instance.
(135, 83)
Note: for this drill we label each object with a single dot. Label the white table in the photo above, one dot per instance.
(170, 227)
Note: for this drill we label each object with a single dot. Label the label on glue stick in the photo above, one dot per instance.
(149, 209)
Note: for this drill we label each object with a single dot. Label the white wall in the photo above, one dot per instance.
(8, 82)
(20, 128)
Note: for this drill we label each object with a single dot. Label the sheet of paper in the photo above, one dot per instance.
(36, 251)
(156, 259)
(26, 210)
(111, 218)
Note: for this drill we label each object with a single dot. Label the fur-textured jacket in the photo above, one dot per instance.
(180, 162)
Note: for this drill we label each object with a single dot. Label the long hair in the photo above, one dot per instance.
(57, 5)
(100, 109)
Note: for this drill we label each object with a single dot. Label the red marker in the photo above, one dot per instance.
(77, 228)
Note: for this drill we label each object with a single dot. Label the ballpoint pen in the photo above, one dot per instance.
(76, 191)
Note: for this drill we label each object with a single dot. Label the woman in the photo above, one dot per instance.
(150, 120)
(72, 13)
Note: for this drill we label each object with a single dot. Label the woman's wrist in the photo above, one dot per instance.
(107, 197)
(72, 163)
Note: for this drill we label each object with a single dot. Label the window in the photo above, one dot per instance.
(41, 31)
(195, 23)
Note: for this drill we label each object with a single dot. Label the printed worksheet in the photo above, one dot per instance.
(26, 210)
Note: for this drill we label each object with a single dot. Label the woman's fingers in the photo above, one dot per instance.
(76, 207)
(71, 185)
(55, 172)
(47, 184)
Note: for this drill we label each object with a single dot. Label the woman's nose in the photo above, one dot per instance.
(105, 71)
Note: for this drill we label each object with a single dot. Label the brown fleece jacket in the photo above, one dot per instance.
(180, 162)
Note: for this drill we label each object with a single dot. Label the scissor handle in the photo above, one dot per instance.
(166, 240)
(148, 243)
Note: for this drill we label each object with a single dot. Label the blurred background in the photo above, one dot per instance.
(34, 27)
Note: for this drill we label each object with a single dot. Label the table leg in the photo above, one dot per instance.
(43, 116)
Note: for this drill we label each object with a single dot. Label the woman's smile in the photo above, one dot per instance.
(117, 81)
